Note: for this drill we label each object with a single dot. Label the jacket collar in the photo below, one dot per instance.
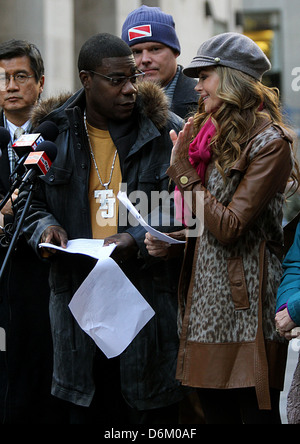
(185, 92)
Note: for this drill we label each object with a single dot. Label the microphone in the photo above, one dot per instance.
(35, 167)
(29, 142)
(4, 139)
(38, 163)
(48, 129)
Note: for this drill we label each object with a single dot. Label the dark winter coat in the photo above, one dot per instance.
(185, 98)
(148, 365)
(26, 362)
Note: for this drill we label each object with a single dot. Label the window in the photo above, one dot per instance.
(264, 29)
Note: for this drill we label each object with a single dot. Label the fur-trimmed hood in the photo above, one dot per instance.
(152, 102)
(46, 106)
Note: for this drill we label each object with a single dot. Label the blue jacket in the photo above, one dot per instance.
(148, 364)
(289, 290)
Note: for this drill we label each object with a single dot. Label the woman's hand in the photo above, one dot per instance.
(284, 324)
(181, 142)
(7, 209)
(156, 247)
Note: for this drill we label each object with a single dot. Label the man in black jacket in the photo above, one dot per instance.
(112, 132)
(152, 37)
(151, 34)
(26, 362)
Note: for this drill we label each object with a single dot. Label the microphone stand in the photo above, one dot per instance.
(18, 229)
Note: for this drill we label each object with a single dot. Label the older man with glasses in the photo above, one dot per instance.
(26, 362)
(113, 132)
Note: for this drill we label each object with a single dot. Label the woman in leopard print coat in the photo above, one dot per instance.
(237, 167)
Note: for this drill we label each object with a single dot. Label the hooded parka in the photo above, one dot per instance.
(148, 365)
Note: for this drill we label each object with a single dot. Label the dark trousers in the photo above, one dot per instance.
(108, 406)
(237, 406)
(26, 362)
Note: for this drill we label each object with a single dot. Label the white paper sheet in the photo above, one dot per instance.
(109, 308)
(122, 196)
(88, 247)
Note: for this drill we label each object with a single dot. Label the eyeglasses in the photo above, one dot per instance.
(121, 80)
(19, 78)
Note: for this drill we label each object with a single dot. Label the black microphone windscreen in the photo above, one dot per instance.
(50, 149)
(4, 137)
(48, 130)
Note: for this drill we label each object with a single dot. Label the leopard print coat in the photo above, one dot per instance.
(227, 294)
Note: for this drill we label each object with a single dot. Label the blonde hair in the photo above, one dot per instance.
(242, 98)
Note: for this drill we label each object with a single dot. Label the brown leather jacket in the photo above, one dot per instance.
(229, 280)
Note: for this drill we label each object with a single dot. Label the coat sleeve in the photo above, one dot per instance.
(266, 175)
(288, 294)
(37, 218)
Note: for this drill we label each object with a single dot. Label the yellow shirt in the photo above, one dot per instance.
(104, 151)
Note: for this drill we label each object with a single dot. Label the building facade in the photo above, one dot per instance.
(274, 24)
(60, 27)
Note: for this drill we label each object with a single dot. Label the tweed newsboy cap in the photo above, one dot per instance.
(232, 50)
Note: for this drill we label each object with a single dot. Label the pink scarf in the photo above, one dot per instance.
(199, 156)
